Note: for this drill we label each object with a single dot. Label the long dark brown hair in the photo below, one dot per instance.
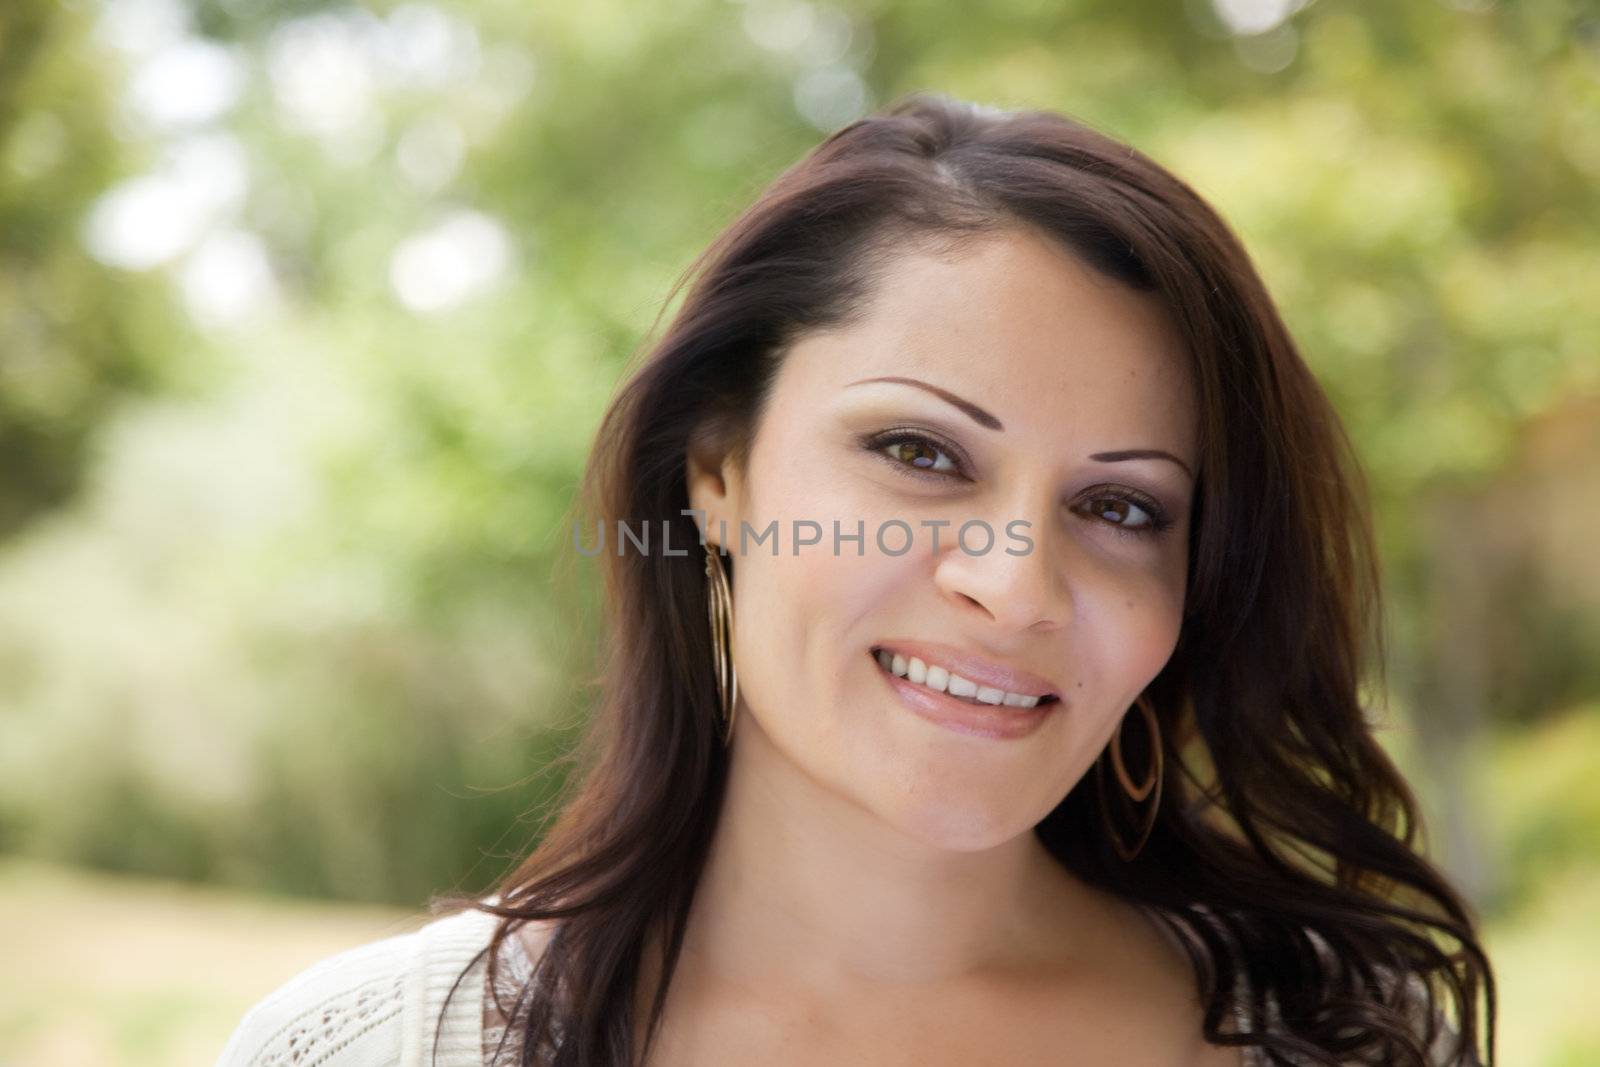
(1285, 849)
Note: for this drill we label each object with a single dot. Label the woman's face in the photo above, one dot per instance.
(1046, 364)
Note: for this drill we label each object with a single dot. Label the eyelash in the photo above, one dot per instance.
(1159, 522)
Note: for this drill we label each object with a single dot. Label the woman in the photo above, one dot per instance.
(1009, 713)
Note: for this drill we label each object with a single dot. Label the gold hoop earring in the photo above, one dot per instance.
(1135, 793)
(719, 597)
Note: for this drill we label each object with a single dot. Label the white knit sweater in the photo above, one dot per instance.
(377, 1005)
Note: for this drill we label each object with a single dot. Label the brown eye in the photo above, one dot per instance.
(1115, 507)
(920, 453)
(917, 453)
(1118, 509)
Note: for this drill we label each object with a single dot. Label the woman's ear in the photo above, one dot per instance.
(713, 478)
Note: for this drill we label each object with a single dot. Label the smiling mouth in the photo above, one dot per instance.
(936, 679)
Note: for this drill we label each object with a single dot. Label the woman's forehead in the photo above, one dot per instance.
(1014, 324)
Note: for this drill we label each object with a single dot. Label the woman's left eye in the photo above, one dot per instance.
(1156, 520)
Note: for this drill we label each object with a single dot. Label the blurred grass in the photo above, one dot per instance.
(1542, 787)
(1547, 963)
(128, 971)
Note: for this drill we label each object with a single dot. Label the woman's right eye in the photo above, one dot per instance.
(915, 453)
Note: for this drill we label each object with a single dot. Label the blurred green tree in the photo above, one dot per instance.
(76, 338)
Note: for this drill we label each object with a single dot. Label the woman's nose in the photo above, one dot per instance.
(1012, 580)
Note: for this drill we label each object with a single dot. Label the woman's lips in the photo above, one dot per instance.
(998, 721)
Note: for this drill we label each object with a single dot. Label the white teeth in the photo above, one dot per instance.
(941, 680)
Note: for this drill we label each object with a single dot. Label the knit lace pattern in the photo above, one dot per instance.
(311, 1040)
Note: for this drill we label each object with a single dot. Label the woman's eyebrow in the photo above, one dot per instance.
(1141, 453)
(973, 411)
(989, 422)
